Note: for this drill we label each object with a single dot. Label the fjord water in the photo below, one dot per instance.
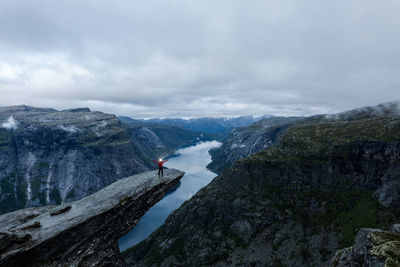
(193, 161)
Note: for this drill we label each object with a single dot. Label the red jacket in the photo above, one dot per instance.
(160, 163)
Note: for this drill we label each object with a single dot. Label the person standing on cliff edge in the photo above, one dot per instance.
(160, 163)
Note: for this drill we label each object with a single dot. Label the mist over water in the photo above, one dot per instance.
(193, 161)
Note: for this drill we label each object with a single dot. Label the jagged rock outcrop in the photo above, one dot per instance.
(371, 248)
(84, 232)
(294, 204)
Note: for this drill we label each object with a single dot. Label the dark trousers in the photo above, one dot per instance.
(160, 169)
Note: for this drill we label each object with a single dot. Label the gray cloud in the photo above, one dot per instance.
(200, 58)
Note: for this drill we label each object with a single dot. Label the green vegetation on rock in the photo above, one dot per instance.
(386, 245)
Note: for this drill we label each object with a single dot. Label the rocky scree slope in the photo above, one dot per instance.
(84, 232)
(293, 204)
(52, 157)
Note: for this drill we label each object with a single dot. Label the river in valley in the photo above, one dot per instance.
(193, 161)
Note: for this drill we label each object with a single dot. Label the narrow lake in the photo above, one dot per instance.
(193, 161)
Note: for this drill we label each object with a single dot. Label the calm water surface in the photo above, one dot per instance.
(193, 161)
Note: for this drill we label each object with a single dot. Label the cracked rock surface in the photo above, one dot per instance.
(84, 232)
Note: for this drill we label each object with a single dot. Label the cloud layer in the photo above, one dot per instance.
(200, 58)
(10, 124)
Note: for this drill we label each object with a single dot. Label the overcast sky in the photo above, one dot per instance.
(199, 58)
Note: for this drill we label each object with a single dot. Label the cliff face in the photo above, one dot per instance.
(52, 157)
(84, 232)
(293, 204)
(246, 141)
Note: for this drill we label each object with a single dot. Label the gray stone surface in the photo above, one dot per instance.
(343, 258)
(85, 234)
(361, 244)
(395, 228)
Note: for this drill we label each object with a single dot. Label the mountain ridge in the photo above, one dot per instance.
(245, 141)
(219, 127)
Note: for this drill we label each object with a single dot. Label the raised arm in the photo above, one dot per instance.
(165, 161)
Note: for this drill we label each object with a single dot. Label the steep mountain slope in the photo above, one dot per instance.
(159, 140)
(245, 141)
(52, 157)
(293, 204)
(218, 127)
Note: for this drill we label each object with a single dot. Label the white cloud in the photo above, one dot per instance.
(69, 129)
(10, 124)
(9, 72)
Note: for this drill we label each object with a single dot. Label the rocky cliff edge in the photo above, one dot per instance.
(84, 232)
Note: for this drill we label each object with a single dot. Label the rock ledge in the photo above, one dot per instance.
(84, 232)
